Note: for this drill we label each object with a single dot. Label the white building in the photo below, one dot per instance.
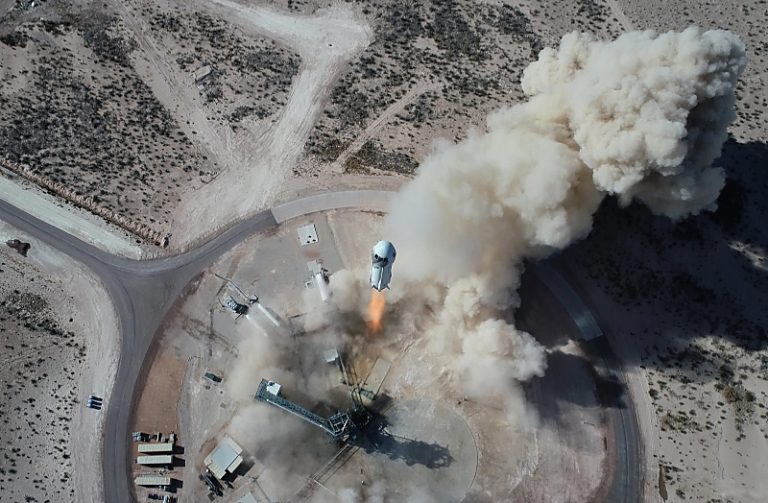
(225, 458)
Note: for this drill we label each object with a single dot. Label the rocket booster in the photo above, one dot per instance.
(382, 257)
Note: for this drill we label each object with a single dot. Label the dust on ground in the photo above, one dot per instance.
(444, 444)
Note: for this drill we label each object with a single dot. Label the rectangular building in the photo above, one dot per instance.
(225, 458)
(152, 481)
(157, 448)
(155, 460)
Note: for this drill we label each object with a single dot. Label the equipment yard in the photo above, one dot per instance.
(370, 251)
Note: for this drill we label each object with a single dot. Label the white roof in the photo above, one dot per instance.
(152, 480)
(273, 388)
(155, 460)
(224, 458)
(202, 72)
(156, 447)
(307, 235)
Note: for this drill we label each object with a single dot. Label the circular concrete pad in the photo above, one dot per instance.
(423, 447)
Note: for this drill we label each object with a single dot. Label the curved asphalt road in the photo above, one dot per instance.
(143, 292)
(625, 485)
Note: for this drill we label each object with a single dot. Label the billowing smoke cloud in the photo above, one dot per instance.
(642, 117)
(648, 112)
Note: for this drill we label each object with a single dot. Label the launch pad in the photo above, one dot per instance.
(323, 403)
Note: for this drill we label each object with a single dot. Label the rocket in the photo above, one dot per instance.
(382, 257)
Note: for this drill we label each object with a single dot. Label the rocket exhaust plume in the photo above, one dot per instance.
(642, 118)
(376, 311)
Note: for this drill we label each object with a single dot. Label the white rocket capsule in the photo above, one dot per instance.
(382, 258)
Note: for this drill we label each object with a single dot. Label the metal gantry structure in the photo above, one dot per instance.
(338, 426)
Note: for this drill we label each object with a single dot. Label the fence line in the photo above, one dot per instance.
(140, 230)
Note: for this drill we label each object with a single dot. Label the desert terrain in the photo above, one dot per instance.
(58, 349)
(145, 128)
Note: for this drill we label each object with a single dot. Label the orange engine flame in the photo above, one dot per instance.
(376, 311)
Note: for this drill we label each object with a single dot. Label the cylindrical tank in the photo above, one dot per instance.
(322, 286)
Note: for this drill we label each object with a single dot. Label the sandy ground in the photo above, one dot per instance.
(684, 310)
(325, 42)
(57, 435)
(79, 223)
(410, 98)
(156, 412)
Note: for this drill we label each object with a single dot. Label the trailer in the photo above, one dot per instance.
(157, 448)
(155, 460)
(152, 481)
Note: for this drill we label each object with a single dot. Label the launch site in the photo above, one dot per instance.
(374, 251)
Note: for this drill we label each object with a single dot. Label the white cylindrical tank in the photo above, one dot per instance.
(322, 286)
(268, 314)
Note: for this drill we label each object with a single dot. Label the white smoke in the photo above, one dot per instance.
(642, 117)
(648, 112)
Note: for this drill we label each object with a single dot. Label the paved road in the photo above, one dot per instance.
(626, 485)
(143, 292)
(570, 300)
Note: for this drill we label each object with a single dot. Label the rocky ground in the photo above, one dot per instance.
(434, 70)
(685, 301)
(106, 100)
(77, 105)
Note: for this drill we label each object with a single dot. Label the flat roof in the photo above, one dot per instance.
(165, 459)
(307, 234)
(248, 498)
(157, 447)
(152, 480)
(224, 458)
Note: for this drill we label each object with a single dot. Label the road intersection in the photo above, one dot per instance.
(143, 291)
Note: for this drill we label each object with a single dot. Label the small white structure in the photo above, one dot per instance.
(331, 355)
(152, 481)
(225, 458)
(201, 73)
(320, 280)
(157, 448)
(273, 388)
(165, 459)
(307, 234)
